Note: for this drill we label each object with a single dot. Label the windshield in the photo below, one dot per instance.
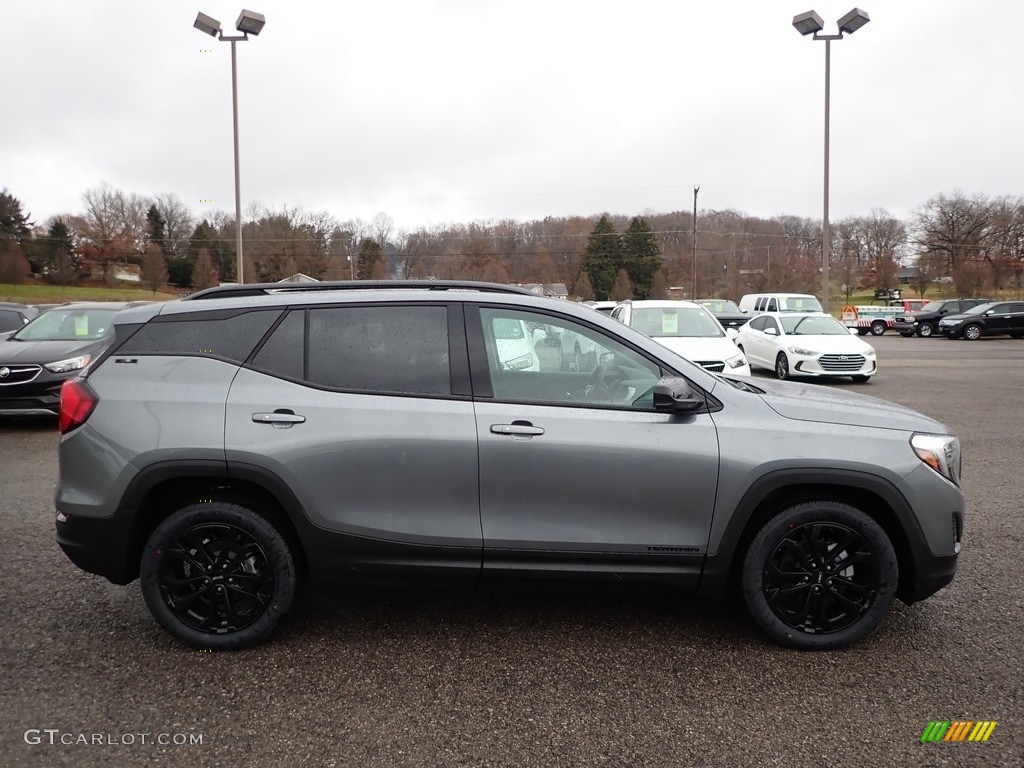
(980, 309)
(721, 306)
(70, 324)
(672, 322)
(932, 306)
(817, 325)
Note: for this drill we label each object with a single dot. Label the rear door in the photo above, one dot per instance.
(579, 475)
(363, 412)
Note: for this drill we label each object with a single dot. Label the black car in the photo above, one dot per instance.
(1004, 318)
(14, 316)
(727, 313)
(925, 322)
(36, 359)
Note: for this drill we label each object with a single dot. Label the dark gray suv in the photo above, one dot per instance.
(229, 446)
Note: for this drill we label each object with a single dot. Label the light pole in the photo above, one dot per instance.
(811, 23)
(696, 189)
(249, 23)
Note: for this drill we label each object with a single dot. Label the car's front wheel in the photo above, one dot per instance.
(972, 332)
(861, 378)
(218, 576)
(925, 330)
(906, 335)
(819, 575)
(782, 366)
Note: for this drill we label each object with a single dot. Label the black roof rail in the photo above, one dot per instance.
(242, 290)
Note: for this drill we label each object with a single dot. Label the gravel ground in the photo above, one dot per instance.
(370, 678)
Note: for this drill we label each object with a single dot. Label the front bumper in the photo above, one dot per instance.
(41, 395)
(820, 367)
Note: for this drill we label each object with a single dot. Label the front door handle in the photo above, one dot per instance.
(282, 418)
(517, 429)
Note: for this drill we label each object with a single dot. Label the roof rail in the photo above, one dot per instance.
(242, 290)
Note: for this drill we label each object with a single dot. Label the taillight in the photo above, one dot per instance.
(76, 403)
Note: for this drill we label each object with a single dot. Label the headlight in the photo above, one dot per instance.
(802, 351)
(869, 352)
(71, 364)
(940, 452)
(518, 363)
(736, 362)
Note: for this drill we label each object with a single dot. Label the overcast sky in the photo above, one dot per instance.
(438, 111)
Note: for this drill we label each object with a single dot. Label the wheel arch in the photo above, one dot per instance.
(771, 493)
(158, 491)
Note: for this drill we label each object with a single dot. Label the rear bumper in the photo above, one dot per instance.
(98, 545)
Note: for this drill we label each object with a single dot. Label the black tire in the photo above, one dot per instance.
(861, 379)
(218, 576)
(906, 335)
(863, 331)
(819, 576)
(781, 366)
(1017, 335)
(924, 330)
(971, 332)
(878, 327)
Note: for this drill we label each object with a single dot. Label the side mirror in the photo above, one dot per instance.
(732, 333)
(674, 394)
(853, 331)
(771, 331)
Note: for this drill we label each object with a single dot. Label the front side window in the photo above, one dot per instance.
(386, 349)
(557, 361)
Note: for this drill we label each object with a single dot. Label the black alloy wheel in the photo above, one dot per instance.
(218, 576)
(820, 575)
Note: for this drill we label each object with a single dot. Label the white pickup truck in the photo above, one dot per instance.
(877, 320)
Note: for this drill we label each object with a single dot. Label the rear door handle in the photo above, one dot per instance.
(282, 418)
(521, 429)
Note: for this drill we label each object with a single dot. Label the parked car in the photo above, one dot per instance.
(688, 329)
(779, 302)
(602, 306)
(726, 312)
(811, 344)
(925, 322)
(13, 316)
(228, 446)
(1003, 318)
(53, 347)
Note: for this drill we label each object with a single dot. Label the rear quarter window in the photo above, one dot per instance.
(220, 335)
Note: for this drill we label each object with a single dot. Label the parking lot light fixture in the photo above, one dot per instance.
(806, 24)
(248, 23)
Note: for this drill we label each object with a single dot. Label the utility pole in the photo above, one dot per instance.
(693, 287)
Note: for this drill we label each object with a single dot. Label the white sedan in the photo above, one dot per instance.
(812, 344)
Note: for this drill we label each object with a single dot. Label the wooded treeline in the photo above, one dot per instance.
(974, 242)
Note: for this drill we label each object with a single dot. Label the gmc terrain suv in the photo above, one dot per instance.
(229, 446)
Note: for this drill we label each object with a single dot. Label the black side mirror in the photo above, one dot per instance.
(674, 394)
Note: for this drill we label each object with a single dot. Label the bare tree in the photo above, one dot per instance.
(204, 274)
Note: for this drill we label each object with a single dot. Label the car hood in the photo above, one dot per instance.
(828, 345)
(813, 402)
(699, 348)
(41, 352)
(958, 317)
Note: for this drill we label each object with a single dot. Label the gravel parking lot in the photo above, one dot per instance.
(374, 678)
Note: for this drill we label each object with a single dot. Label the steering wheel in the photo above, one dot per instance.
(603, 386)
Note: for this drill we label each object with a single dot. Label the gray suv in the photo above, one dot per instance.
(229, 446)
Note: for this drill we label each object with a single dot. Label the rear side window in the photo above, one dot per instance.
(387, 349)
(227, 336)
(10, 320)
(282, 355)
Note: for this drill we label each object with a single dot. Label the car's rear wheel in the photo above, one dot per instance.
(878, 327)
(218, 576)
(782, 366)
(925, 330)
(972, 332)
(819, 575)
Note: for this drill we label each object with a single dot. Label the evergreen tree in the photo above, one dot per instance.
(621, 290)
(659, 286)
(603, 257)
(642, 256)
(584, 291)
(204, 274)
(156, 228)
(154, 268)
(58, 260)
(370, 252)
(14, 221)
